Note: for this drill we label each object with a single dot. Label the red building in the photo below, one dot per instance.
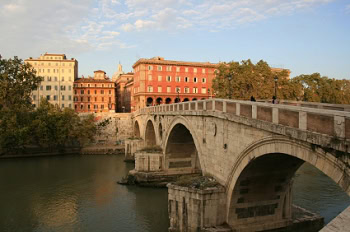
(95, 94)
(159, 81)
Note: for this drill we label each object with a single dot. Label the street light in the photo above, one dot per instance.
(276, 79)
(230, 88)
(178, 94)
(208, 92)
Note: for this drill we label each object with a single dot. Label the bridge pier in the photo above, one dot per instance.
(131, 147)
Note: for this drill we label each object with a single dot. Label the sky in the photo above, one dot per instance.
(304, 36)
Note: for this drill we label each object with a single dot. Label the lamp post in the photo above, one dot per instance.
(276, 79)
(229, 77)
(208, 93)
(178, 95)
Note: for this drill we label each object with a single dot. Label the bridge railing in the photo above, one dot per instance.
(320, 120)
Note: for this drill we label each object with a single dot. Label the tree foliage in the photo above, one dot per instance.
(241, 80)
(48, 126)
(17, 81)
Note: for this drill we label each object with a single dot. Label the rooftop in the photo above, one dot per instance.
(160, 60)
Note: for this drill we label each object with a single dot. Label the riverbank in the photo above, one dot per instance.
(89, 150)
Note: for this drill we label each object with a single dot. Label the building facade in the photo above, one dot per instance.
(59, 74)
(94, 94)
(123, 93)
(158, 81)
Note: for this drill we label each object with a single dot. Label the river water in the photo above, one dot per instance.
(79, 193)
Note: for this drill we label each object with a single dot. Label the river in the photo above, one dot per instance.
(79, 193)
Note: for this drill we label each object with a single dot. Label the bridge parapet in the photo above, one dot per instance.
(327, 128)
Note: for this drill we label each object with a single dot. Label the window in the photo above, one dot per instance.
(203, 70)
(159, 68)
(102, 107)
(103, 99)
(177, 90)
(150, 67)
(75, 92)
(110, 91)
(187, 90)
(41, 87)
(95, 99)
(88, 85)
(150, 77)
(81, 106)
(48, 97)
(62, 97)
(177, 69)
(168, 89)
(55, 97)
(195, 70)
(48, 87)
(70, 88)
(186, 79)
(186, 69)
(95, 106)
(62, 105)
(95, 91)
(102, 91)
(168, 78)
(69, 97)
(48, 78)
(88, 99)
(178, 79)
(70, 105)
(81, 91)
(62, 78)
(195, 79)
(204, 80)
(159, 89)
(55, 78)
(75, 99)
(195, 90)
(88, 106)
(159, 78)
(204, 90)
(168, 68)
(48, 70)
(109, 99)
(150, 89)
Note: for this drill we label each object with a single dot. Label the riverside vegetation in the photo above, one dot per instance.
(47, 127)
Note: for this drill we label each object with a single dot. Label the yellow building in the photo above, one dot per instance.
(59, 74)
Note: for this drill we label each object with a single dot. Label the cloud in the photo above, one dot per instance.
(67, 26)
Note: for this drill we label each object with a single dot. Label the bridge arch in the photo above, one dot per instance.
(150, 134)
(181, 148)
(137, 130)
(260, 182)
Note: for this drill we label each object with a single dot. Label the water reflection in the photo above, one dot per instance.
(76, 193)
(79, 193)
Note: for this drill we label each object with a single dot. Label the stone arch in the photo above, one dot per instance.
(150, 134)
(177, 100)
(185, 100)
(278, 157)
(137, 129)
(149, 101)
(159, 101)
(181, 143)
(168, 100)
(194, 99)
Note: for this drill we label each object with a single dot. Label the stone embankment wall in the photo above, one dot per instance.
(111, 139)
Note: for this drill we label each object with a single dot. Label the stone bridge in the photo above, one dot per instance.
(252, 149)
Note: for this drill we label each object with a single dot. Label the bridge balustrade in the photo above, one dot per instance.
(314, 117)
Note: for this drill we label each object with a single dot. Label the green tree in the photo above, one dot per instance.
(241, 80)
(17, 81)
